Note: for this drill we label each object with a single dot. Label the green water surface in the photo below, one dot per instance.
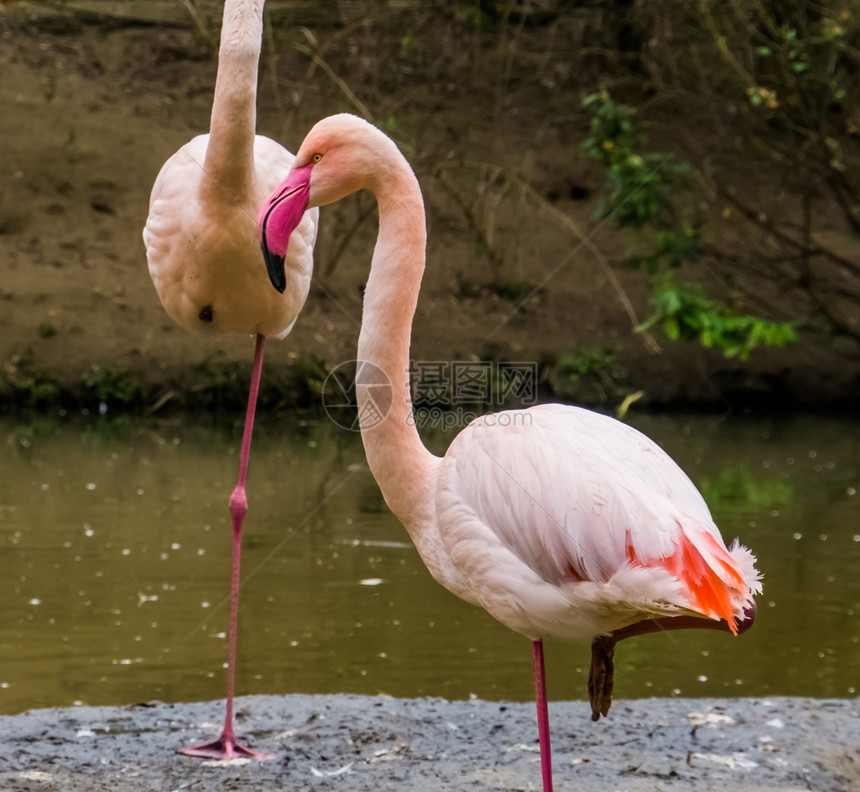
(115, 552)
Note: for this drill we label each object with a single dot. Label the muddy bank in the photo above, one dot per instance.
(382, 743)
(95, 110)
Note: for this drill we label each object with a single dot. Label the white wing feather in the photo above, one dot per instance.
(542, 511)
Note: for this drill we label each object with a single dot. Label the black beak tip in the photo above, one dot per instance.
(275, 268)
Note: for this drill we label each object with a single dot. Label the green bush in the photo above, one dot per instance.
(654, 193)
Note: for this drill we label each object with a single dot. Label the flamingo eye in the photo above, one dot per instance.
(316, 157)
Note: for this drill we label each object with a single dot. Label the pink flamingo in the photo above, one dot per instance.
(202, 246)
(558, 521)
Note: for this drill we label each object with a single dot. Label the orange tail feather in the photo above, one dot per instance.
(709, 577)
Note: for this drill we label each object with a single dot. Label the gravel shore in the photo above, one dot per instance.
(382, 743)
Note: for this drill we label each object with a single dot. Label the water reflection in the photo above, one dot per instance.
(115, 544)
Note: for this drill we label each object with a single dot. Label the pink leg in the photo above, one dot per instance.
(226, 746)
(542, 716)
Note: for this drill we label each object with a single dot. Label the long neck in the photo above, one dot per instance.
(399, 461)
(230, 153)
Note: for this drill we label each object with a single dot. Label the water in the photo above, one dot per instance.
(115, 552)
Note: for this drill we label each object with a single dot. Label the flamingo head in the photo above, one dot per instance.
(279, 217)
(339, 156)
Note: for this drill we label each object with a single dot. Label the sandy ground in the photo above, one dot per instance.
(382, 743)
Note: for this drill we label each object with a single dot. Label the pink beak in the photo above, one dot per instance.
(279, 217)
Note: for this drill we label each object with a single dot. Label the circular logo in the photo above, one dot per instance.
(340, 395)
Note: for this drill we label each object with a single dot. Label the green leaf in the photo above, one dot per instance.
(671, 328)
(684, 313)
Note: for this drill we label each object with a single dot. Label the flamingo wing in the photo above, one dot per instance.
(580, 506)
(172, 206)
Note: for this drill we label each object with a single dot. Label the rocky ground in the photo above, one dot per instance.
(382, 743)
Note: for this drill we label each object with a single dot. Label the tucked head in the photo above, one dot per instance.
(340, 155)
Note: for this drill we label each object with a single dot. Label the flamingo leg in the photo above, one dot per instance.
(542, 715)
(226, 746)
(601, 674)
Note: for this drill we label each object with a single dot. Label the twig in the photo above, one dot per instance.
(650, 341)
(469, 215)
(310, 50)
(198, 19)
(89, 16)
(526, 189)
(346, 236)
(786, 238)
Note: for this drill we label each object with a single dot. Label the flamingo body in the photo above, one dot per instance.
(560, 522)
(202, 248)
(202, 242)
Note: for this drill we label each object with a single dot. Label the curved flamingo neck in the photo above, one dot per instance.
(397, 458)
(230, 153)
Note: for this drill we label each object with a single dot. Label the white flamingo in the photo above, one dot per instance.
(202, 247)
(558, 521)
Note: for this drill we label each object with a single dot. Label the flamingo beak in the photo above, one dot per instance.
(278, 218)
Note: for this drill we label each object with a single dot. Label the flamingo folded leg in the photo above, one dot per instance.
(601, 674)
